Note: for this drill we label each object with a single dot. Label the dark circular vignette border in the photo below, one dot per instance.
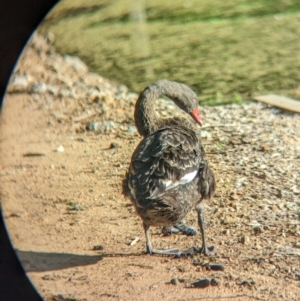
(18, 20)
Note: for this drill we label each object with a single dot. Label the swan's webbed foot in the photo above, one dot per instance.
(169, 252)
(187, 230)
(189, 252)
(208, 251)
(167, 231)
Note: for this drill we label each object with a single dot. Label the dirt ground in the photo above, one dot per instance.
(64, 152)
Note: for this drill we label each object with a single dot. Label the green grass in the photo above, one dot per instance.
(224, 50)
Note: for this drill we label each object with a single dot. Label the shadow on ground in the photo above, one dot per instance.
(43, 261)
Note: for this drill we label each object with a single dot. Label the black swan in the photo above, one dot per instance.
(169, 172)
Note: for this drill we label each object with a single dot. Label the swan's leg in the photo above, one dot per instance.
(150, 249)
(180, 227)
(209, 251)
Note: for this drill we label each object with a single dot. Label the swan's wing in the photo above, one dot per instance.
(165, 159)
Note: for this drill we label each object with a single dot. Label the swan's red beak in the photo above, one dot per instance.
(196, 116)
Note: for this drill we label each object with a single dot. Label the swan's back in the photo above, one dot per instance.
(168, 172)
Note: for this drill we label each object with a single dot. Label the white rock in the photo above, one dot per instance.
(19, 83)
(254, 223)
(78, 65)
(60, 149)
(38, 88)
(64, 93)
(263, 166)
(101, 126)
(53, 90)
(205, 134)
(295, 190)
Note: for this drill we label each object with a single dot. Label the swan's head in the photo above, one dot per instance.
(183, 96)
(187, 100)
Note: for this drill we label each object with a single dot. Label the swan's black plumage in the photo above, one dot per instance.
(169, 172)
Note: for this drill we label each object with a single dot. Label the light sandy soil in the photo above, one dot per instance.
(72, 227)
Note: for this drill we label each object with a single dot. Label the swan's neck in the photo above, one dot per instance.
(146, 120)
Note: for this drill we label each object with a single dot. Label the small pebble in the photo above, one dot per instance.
(214, 282)
(295, 190)
(245, 240)
(279, 193)
(247, 282)
(202, 283)
(215, 267)
(131, 129)
(98, 248)
(18, 84)
(76, 207)
(233, 196)
(101, 126)
(78, 65)
(114, 145)
(265, 148)
(47, 277)
(257, 229)
(38, 88)
(64, 93)
(205, 134)
(254, 223)
(174, 281)
(60, 149)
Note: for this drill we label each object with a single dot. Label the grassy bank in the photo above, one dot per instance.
(225, 51)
